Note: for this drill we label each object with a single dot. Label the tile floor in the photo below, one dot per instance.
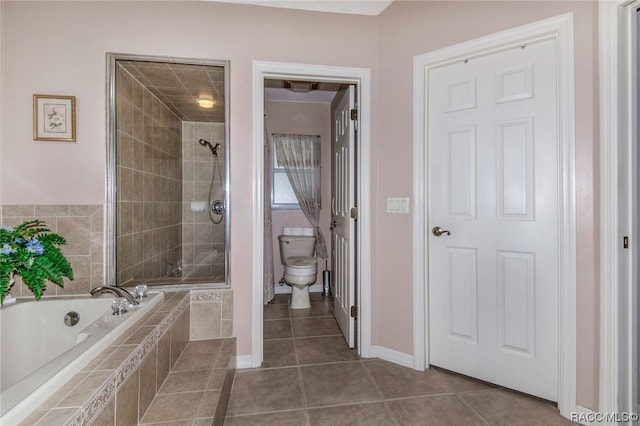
(189, 394)
(310, 377)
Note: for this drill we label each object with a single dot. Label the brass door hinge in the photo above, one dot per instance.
(354, 114)
(354, 213)
(354, 312)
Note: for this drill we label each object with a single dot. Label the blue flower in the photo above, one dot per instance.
(7, 228)
(7, 250)
(35, 246)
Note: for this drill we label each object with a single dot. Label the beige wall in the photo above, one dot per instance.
(304, 118)
(74, 173)
(408, 29)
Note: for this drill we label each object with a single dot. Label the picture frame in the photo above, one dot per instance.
(54, 118)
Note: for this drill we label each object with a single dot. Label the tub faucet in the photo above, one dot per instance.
(120, 292)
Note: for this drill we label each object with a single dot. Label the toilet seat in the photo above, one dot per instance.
(300, 265)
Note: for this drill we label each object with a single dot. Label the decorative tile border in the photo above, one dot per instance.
(206, 296)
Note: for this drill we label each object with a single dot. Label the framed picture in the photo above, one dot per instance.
(54, 118)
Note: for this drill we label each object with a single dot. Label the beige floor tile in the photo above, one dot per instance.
(277, 329)
(318, 326)
(276, 311)
(316, 310)
(284, 418)
(396, 381)
(173, 407)
(281, 299)
(460, 383)
(208, 421)
(315, 350)
(260, 391)
(439, 410)
(278, 353)
(373, 414)
(340, 383)
(502, 407)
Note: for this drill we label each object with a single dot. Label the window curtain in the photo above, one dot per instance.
(268, 280)
(300, 157)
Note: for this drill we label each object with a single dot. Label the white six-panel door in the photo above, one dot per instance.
(343, 227)
(493, 184)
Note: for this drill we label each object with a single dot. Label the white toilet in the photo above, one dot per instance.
(300, 267)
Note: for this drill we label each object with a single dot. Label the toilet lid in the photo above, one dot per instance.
(301, 262)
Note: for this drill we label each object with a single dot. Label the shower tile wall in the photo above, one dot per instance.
(149, 167)
(203, 243)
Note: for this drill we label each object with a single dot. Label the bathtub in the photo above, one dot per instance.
(39, 353)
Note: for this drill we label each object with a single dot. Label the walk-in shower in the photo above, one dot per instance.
(168, 207)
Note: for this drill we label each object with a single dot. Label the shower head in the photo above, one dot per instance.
(214, 149)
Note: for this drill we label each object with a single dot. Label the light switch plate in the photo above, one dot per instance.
(398, 205)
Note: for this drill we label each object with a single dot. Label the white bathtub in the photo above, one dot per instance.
(39, 353)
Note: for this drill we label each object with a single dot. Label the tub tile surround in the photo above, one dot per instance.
(211, 314)
(146, 366)
(83, 228)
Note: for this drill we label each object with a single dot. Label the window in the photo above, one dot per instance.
(305, 154)
(282, 195)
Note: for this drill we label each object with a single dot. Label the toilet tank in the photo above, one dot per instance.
(296, 245)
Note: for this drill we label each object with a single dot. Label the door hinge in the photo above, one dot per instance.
(625, 242)
(354, 312)
(354, 114)
(354, 213)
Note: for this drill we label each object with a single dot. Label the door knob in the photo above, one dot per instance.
(333, 224)
(437, 231)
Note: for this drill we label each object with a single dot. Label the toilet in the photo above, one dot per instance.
(300, 266)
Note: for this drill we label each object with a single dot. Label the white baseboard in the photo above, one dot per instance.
(243, 361)
(583, 413)
(390, 355)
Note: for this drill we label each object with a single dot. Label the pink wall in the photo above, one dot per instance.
(59, 48)
(303, 118)
(408, 29)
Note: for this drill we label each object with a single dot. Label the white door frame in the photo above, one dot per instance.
(349, 75)
(618, 343)
(559, 28)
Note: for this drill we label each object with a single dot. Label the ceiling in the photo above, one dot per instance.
(178, 86)
(356, 7)
(273, 91)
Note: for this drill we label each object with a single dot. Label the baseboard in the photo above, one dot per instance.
(582, 416)
(243, 361)
(390, 355)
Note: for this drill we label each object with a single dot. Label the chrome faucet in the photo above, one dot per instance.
(120, 292)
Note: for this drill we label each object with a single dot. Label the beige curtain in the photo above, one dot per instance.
(300, 157)
(268, 281)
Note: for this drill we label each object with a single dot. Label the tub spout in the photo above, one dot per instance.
(120, 292)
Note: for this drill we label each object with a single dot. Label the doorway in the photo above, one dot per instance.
(559, 30)
(355, 76)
